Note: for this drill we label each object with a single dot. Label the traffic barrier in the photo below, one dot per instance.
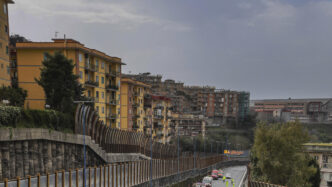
(120, 174)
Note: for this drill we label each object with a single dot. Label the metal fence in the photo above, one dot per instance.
(120, 175)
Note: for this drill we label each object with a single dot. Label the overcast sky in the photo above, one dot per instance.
(272, 48)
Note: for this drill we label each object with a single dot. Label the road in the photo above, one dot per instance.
(236, 172)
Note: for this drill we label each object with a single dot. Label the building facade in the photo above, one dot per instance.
(322, 152)
(132, 104)
(158, 117)
(5, 64)
(187, 125)
(305, 110)
(98, 72)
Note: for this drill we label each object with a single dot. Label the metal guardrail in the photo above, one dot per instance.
(123, 174)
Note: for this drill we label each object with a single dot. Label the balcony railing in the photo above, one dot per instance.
(111, 116)
(112, 87)
(158, 116)
(91, 83)
(112, 73)
(112, 101)
(90, 67)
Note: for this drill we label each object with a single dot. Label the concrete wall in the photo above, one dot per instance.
(30, 151)
(174, 179)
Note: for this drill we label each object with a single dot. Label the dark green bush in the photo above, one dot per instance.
(50, 119)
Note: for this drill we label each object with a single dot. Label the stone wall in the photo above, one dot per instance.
(30, 151)
(29, 157)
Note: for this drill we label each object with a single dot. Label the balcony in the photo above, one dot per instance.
(111, 116)
(137, 94)
(111, 73)
(135, 125)
(136, 116)
(91, 83)
(90, 67)
(112, 87)
(112, 101)
(158, 116)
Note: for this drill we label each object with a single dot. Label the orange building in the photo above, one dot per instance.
(132, 104)
(4, 43)
(98, 72)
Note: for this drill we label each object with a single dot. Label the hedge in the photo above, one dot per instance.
(18, 117)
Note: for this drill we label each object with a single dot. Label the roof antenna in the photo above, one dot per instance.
(56, 34)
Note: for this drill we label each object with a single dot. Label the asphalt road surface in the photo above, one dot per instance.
(236, 172)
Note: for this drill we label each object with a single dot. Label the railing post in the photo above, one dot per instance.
(120, 175)
(47, 179)
(129, 173)
(63, 178)
(108, 180)
(76, 177)
(104, 175)
(29, 181)
(69, 177)
(100, 176)
(95, 176)
(134, 174)
(18, 181)
(56, 179)
(38, 180)
(89, 176)
(6, 182)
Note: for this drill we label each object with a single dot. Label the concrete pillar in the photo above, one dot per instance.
(26, 159)
(42, 150)
(18, 157)
(53, 156)
(5, 160)
(1, 164)
(34, 167)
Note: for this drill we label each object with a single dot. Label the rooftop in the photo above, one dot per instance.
(66, 43)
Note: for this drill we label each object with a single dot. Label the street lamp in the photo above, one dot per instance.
(84, 147)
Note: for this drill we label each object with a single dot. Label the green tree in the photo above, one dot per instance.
(15, 96)
(60, 85)
(278, 156)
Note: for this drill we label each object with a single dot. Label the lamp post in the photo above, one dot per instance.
(178, 148)
(151, 147)
(84, 147)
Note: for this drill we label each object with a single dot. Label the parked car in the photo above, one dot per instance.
(228, 176)
(214, 174)
(207, 181)
(220, 173)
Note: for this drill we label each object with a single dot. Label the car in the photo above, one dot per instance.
(228, 176)
(220, 173)
(207, 181)
(214, 174)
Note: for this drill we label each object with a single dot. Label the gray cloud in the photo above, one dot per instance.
(272, 48)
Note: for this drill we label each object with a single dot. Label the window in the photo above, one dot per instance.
(81, 75)
(97, 108)
(102, 95)
(89, 93)
(102, 110)
(45, 56)
(80, 57)
(8, 70)
(97, 78)
(102, 65)
(97, 64)
(5, 8)
(6, 29)
(1, 66)
(97, 94)
(102, 80)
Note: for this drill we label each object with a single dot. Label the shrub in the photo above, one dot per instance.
(50, 119)
(15, 96)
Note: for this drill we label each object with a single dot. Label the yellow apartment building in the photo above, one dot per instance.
(4, 44)
(98, 72)
(158, 108)
(132, 104)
